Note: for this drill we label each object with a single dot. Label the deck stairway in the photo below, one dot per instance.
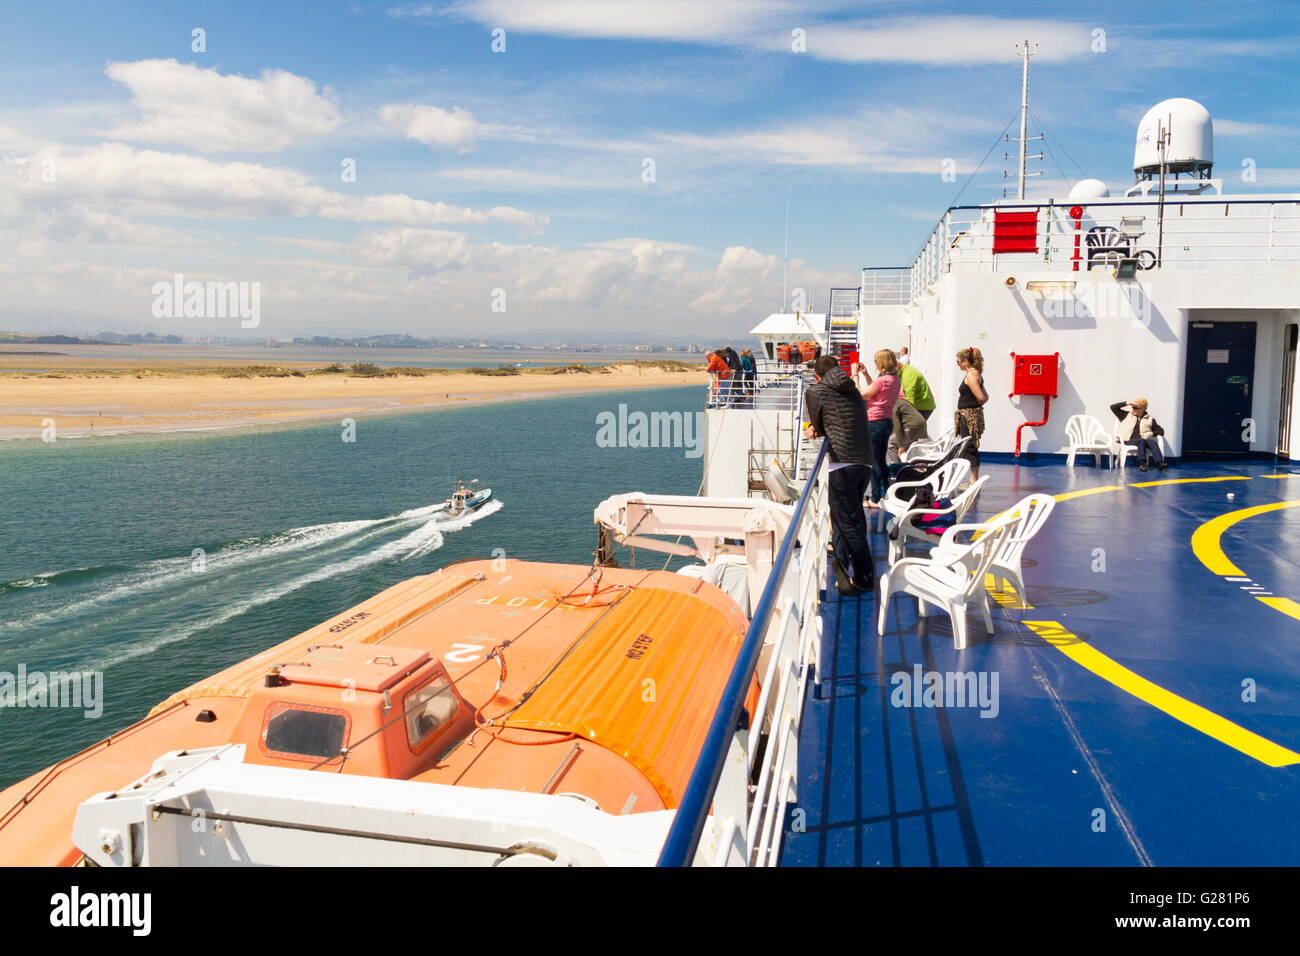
(842, 325)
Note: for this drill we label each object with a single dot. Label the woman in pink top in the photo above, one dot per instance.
(880, 393)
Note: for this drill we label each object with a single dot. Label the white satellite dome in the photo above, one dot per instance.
(1086, 189)
(1191, 138)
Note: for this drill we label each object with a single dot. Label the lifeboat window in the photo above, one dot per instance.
(428, 710)
(303, 732)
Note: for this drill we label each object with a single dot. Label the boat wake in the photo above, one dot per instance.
(126, 612)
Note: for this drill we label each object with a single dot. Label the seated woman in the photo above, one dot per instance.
(909, 425)
(1139, 429)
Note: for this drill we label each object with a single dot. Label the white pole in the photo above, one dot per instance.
(1024, 117)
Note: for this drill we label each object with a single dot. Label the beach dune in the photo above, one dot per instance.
(180, 397)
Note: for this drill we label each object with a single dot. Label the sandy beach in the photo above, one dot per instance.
(184, 395)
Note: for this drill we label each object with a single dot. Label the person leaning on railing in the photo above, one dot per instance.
(718, 371)
(836, 410)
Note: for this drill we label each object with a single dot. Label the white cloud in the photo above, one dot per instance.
(183, 104)
(1227, 127)
(118, 177)
(684, 21)
(872, 140)
(768, 24)
(431, 125)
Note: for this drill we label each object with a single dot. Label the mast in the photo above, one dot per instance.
(1025, 54)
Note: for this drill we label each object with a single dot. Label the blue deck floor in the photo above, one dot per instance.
(1075, 768)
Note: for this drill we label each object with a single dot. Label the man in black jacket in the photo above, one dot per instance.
(835, 409)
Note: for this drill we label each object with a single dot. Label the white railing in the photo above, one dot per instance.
(776, 390)
(886, 285)
(1198, 234)
(746, 828)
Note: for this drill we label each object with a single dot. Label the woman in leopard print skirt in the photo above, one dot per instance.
(971, 397)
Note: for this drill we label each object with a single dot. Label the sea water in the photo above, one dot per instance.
(150, 562)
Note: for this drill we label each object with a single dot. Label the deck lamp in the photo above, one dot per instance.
(1127, 268)
(1051, 286)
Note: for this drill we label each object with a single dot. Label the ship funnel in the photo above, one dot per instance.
(1189, 144)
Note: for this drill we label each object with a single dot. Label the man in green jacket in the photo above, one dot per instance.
(916, 390)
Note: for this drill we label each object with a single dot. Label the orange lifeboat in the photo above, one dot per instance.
(543, 678)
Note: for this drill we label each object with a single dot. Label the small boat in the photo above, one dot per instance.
(464, 500)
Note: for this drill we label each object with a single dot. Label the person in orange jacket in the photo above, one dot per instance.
(719, 371)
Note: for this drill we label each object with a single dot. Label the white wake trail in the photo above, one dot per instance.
(420, 541)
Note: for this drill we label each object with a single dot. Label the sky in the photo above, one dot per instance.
(525, 168)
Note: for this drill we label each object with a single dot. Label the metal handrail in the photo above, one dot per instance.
(693, 809)
(936, 251)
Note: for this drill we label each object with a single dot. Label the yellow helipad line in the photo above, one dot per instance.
(1285, 605)
(1181, 709)
(1188, 481)
(1088, 491)
(1206, 539)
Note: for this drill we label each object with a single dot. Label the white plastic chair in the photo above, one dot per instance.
(928, 449)
(952, 579)
(1088, 436)
(1124, 449)
(958, 506)
(1031, 514)
(944, 480)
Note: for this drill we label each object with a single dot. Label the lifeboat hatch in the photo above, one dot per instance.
(360, 666)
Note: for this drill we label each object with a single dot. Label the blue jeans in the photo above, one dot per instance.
(879, 430)
(1145, 445)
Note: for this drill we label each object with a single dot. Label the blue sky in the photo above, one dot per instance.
(127, 157)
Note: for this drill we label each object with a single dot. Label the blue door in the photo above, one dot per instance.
(1218, 392)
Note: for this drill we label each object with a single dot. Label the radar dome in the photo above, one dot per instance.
(1087, 189)
(1191, 138)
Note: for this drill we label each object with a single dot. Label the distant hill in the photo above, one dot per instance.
(19, 338)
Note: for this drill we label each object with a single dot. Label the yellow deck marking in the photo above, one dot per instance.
(1089, 491)
(1193, 715)
(1285, 605)
(1205, 540)
(1275, 476)
(1187, 481)
(1009, 597)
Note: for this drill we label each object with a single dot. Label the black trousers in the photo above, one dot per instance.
(848, 523)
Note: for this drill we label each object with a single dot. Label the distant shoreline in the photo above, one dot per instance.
(178, 397)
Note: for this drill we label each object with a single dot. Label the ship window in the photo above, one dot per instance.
(303, 732)
(428, 710)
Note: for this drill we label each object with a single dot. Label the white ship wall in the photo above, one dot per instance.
(1118, 341)
(728, 444)
(882, 327)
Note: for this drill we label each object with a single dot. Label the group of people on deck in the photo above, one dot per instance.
(859, 414)
(731, 374)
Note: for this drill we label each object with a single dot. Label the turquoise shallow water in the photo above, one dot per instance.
(98, 537)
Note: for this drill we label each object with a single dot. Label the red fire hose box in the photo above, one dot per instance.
(1034, 375)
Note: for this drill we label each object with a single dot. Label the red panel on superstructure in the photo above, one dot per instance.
(1015, 231)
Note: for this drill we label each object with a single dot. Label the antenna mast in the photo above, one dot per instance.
(1025, 53)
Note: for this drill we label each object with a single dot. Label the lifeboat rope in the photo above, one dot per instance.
(496, 652)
